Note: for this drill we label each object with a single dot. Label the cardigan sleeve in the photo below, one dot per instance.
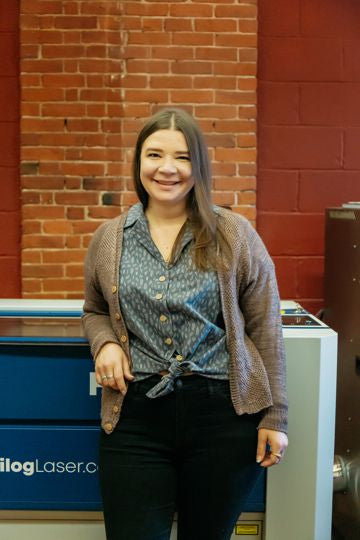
(260, 304)
(96, 317)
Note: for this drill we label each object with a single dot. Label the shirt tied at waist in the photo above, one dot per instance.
(166, 384)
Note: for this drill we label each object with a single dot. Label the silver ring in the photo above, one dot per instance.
(279, 456)
(109, 377)
(103, 378)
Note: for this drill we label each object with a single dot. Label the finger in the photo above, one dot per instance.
(119, 379)
(261, 446)
(270, 460)
(126, 370)
(111, 382)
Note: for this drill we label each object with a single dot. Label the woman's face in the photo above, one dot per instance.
(165, 167)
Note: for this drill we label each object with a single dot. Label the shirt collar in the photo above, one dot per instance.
(135, 213)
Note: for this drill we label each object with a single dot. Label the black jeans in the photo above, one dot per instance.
(186, 451)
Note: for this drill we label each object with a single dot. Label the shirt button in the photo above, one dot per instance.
(123, 338)
(179, 357)
(115, 409)
(159, 296)
(162, 278)
(108, 426)
(114, 289)
(168, 341)
(163, 318)
(117, 316)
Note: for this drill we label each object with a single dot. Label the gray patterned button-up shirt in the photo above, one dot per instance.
(172, 311)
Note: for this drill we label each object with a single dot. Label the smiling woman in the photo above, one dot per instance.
(183, 317)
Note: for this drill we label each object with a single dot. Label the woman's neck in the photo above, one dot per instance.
(166, 214)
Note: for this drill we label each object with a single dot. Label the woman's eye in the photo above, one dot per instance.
(153, 155)
(185, 158)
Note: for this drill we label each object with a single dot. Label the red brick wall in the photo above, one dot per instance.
(309, 132)
(91, 72)
(9, 151)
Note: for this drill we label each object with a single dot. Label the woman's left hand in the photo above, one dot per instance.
(271, 447)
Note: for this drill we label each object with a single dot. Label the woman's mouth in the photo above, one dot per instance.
(166, 182)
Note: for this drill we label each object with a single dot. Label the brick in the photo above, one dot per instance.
(191, 67)
(215, 111)
(311, 277)
(146, 96)
(73, 199)
(42, 241)
(191, 96)
(42, 66)
(278, 190)
(279, 103)
(246, 140)
(214, 53)
(234, 68)
(215, 25)
(42, 270)
(10, 275)
(235, 154)
(62, 51)
(234, 126)
(191, 10)
(43, 212)
(63, 284)
(280, 18)
(224, 198)
(152, 10)
(178, 25)
(292, 234)
(58, 227)
(147, 66)
(172, 53)
(236, 40)
(74, 270)
(294, 147)
(42, 94)
(286, 275)
(224, 83)
(290, 59)
(63, 257)
(246, 11)
(170, 81)
(235, 97)
(155, 38)
(222, 140)
(192, 38)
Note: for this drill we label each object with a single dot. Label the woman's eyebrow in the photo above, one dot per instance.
(152, 149)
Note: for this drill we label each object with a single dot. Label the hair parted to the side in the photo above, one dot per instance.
(211, 248)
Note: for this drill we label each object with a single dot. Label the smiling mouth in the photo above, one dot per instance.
(166, 183)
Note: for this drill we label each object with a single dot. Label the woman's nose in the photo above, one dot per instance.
(168, 165)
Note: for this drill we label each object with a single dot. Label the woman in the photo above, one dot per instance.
(182, 314)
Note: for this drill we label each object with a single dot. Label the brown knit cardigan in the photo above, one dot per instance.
(251, 312)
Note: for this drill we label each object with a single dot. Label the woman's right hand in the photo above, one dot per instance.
(112, 367)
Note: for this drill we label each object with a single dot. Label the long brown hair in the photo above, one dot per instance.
(211, 248)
